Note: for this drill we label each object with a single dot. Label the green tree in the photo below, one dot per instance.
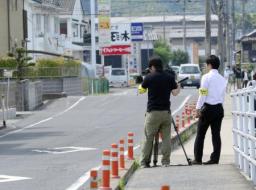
(163, 50)
(179, 57)
(250, 21)
(22, 61)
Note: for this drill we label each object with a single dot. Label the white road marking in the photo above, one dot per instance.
(84, 178)
(182, 105)
(120, 93)
(7, 178)
(44, 120)
(70, 108)
(27, 127)
(63, 150)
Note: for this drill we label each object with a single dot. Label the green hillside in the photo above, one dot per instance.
(171, 7)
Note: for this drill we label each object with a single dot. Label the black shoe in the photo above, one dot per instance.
(145, 166)
(194, 162)
(210, 162)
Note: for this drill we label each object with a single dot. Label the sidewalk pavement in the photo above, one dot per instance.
(224, 176)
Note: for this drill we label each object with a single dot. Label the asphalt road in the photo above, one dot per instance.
(54, 147)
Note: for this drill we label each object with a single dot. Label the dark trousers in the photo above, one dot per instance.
(245, 82)
(211, 115)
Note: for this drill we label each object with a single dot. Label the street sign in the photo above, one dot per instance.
(137, 32)
(8, 74)
(116, 50)
(120, 34)
(104, 25)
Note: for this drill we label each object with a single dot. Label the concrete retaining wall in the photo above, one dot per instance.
(70, 86)
(9, 114)
(12, 92)
(29, 95)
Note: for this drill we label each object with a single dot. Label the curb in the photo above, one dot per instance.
(134, 165)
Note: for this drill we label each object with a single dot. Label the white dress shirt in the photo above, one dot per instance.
(214, 86)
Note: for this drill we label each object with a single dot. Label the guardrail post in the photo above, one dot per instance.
(235, 139)
(241, 128)
(252, 133)
(244, 130)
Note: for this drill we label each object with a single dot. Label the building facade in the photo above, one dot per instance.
(56, 26)
(13, 28)
(248, 48)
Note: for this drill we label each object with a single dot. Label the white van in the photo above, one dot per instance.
(192, 71)
(118, 77)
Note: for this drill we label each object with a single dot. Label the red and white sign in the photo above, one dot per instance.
(116, 50)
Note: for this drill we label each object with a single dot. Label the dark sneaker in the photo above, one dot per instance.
(194, 162)
(165, 165)
(210, 162)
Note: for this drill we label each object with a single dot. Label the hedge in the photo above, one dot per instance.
(8, 62)
(57, 62)
(55, 67)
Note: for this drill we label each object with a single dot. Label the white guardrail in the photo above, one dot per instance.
(244, 127)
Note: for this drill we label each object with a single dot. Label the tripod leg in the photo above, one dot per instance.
(156, 149)
(176, 130)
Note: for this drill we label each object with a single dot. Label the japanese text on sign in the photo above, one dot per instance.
(120, 34)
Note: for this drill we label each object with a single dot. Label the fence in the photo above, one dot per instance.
(244, 141)
(95, 86)
(45, 72)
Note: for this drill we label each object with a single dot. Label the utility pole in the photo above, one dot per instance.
(228, 39)
(9, 25)
(184, 27)
(233, 28)
(243, 16)
(164, 27)
(207, 28)
(93, 41)
(221, 35)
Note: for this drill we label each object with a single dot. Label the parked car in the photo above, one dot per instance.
(176, 69)
(192, 71)
(118, 77)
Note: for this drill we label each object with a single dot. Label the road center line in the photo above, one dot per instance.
(84, 178)
(44, 120)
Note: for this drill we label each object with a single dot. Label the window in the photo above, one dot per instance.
(63, 28)
(189, 70)
(56, 25)
(82, 29)
(46, 24)
(118, 72)
(254, 46)
(75, 29)
(38, 24)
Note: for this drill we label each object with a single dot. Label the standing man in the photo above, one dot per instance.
(210, 110)
(245, 78)
(160, 85)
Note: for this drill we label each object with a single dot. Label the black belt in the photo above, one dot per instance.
(209, 105)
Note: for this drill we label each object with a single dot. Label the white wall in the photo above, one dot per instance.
(50, 40)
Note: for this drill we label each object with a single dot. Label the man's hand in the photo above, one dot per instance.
(198, 113)
(141, 90)
(176, 91)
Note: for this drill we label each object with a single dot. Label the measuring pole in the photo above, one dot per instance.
(8, 92)
(3, 108)
(93, 42)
